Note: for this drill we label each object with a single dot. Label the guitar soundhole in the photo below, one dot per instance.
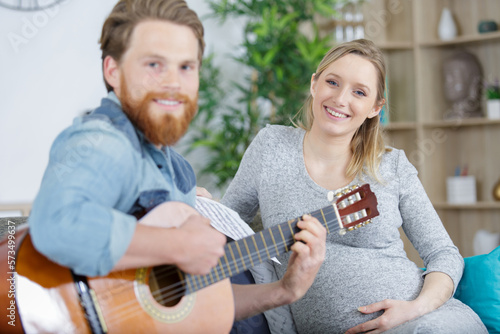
(167, 285)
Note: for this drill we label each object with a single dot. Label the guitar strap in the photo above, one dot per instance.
(90, 305)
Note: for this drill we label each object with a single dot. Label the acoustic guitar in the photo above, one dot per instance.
(40, 296)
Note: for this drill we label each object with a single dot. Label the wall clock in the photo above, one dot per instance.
(28, 5)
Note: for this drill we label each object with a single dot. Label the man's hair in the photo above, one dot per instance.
(367, 144)
(119, 26)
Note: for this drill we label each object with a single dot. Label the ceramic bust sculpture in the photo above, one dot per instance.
(463, 85)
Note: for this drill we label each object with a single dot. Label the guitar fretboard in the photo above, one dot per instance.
(240, 255)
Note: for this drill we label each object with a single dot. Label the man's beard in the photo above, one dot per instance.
(163, 129)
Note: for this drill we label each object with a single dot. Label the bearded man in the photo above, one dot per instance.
(116, 164)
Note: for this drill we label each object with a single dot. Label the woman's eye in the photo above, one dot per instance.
(360, 93)
(332, 82)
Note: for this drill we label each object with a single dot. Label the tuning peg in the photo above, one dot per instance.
(342, 191)
(345, 190)
(355, 227)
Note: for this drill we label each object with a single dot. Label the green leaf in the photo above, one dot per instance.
(323, 8)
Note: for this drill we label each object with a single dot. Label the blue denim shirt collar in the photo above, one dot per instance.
(112, 96)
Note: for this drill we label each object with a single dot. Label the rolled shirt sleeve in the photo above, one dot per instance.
(79, 217)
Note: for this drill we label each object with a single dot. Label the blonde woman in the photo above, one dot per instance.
(366, 282)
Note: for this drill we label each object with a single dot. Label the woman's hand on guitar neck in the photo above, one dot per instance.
(174, 233)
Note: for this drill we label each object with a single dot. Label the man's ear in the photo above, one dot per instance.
(312, 89)
(111, 72)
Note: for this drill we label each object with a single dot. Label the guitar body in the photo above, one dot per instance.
(47, 301)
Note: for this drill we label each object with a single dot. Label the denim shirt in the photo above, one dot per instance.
(102, 174)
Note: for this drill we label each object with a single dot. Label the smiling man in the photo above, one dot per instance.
(116, 164)
(162, 113)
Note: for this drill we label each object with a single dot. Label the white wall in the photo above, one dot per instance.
(50, 72)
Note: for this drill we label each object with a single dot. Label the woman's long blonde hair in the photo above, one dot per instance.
(367, 144)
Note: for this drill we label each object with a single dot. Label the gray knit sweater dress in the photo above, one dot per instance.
(363, 266)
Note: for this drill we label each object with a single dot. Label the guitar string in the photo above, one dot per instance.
(124, 309)
(179, 286)
(174, 269)
(129, 310)
(177, 289)
(236, 263)
(137, 306)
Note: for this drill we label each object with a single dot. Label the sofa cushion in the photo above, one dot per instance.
(480, 288)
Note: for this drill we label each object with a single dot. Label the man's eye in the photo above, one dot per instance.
(154, 65)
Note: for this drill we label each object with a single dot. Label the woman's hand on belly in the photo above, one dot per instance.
(395, 313)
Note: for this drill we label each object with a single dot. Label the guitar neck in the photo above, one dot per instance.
(240, 255)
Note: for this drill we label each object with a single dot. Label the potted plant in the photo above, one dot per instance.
(493, 100)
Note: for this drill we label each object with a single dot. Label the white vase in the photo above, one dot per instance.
(447, 28)
(493, 109)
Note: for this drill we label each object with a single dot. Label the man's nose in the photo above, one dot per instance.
(170, 79)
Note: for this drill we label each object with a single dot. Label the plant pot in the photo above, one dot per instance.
(493, 109)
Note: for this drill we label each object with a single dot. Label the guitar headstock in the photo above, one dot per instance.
(355, 207)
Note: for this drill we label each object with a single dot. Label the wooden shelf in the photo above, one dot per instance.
(397, 126)
(476, 206)
(490, 36)
(15, 209)
(461, 123)
(395, 45)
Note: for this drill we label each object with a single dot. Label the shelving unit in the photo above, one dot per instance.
(14, 210)
(407, 32)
